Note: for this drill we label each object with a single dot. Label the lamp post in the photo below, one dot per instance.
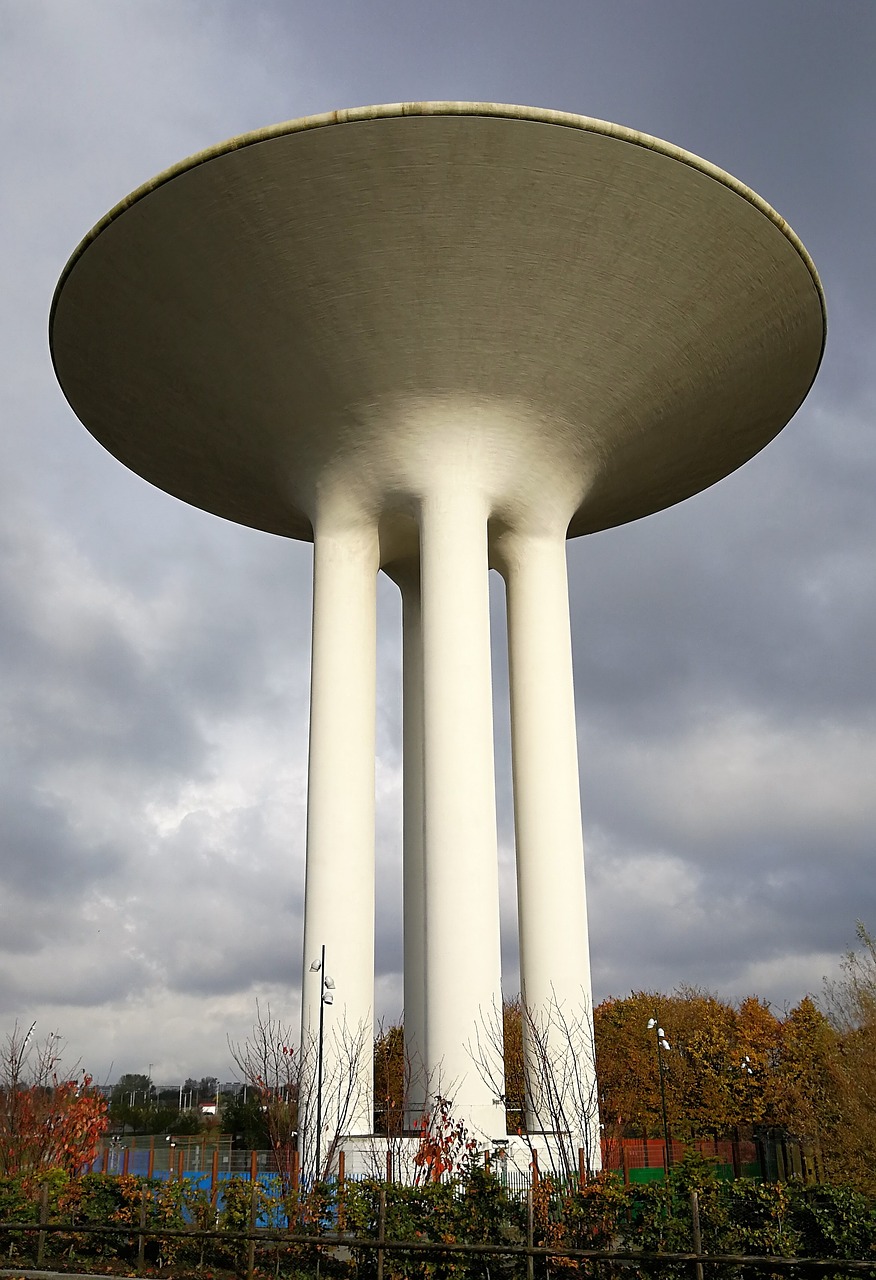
(327, 986)
(662, 1043)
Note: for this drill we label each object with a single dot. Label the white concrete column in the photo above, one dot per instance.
(462, 953)
(339, 892)
(414, 861)
(552, 910)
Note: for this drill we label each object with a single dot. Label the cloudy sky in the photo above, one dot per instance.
(156, 659)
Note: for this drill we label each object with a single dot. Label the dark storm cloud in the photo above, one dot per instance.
(42, 855)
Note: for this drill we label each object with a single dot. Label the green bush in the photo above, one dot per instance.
(740, 1217)
(833, 1222)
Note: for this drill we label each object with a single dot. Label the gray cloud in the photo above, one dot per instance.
(154, 708)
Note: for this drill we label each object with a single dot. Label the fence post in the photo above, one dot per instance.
(342, 1174)
(44, 1217)
(250, 1248)
(180, 1164)
(625, 1163)
(381, 1230)
(253, 1165)
(126, 1156)
(150, 1166)
(214, 1176)
(530, 1227)
(534, 1167)
(389, 1166)
(696, 1234)
(582, 1169)
(296, 1179)
(141, 1239)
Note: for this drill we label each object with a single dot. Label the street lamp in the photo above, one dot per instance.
(662, 1044)
(327, 986)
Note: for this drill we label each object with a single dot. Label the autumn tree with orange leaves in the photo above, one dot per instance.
(728, 1066)
(48, 1120)
(808, 1072)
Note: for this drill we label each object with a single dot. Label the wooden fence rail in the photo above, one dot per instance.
(382, 1245)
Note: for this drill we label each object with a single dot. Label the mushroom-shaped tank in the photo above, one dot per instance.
(434, 337)
(340, 294)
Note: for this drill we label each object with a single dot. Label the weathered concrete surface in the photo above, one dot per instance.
(553, 294)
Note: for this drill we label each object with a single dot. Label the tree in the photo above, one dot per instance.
(706, 1060)
(132, 1088)
(851, 1000)
(758, 1039)
(270, 1066)
(726, 1066)
(189, 1122)
(284, 1080)
(512, 1048)
(805, 1072)
(851, 1007)
(629, 1094)
(47, 1119)
(444, 1144)
(244, 1119)
(131, 1102)
(329, 1098)
(390, 1080)
(555, 1091)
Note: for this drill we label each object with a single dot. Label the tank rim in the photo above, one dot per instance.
(398, 110)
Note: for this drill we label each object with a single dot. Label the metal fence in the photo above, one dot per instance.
(637, 1160)
(263, 1249)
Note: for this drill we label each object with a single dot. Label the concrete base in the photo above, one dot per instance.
(375, 1156)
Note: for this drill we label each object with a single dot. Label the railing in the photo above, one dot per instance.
(636, 1159)
(345, 1246)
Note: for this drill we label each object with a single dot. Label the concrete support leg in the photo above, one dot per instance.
(463, 963)
(554, 951)
(339, 893)
(414, 864)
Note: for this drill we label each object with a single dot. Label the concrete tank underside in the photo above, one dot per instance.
(435, 338)
(582, 299)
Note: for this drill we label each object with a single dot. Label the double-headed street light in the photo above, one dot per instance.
(662, 1045)
(327, 987)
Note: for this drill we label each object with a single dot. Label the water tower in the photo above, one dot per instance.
(435, 338)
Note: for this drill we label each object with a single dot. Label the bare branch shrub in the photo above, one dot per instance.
(271, 1067)
(285, 1081)
(344, 1052)
(554, 1097)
